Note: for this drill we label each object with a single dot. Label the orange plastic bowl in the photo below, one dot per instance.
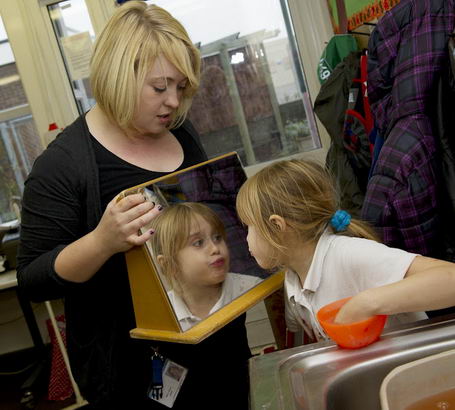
(350, 335)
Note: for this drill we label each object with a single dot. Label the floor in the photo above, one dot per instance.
(11, 400)
(17, 368)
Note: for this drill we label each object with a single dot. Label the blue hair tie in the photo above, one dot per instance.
(340, 220)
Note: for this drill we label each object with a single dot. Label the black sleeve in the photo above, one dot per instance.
(50, 220)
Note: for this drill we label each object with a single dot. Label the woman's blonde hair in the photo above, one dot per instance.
(172, 229)
(124, 53)
(301, 192)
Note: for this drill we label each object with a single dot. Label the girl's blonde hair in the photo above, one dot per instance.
(124, 53)
(303, 193)
(172, 229)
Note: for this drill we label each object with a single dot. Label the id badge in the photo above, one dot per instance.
(167, 380)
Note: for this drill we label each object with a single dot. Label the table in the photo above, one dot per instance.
(8, 279)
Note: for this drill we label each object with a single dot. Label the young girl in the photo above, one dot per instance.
(189, 245)
(290, 209)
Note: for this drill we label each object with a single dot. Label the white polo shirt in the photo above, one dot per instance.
(343, 266)
(234, 285)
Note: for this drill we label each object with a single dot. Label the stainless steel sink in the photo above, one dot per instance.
(323, 376)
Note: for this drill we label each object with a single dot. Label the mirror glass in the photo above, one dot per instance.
(199, 247)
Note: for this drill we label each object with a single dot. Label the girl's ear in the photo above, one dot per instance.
(278, 221)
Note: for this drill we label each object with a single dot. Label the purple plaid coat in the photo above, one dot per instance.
(406, 52)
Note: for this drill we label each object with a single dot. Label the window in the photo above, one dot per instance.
(253, 97)
(19, 140)
(75, 35)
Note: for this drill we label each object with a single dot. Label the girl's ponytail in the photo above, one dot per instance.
(342, 222)
(361, 229)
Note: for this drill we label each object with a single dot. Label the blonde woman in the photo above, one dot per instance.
(144, 72)
(293, 221)
(189, 245)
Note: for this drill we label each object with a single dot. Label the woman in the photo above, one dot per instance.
(144, 72)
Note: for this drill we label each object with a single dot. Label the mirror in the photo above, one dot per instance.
(199, 249)
(198, 257)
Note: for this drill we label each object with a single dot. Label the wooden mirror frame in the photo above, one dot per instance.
(155, 317)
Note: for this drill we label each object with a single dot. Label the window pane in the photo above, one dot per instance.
(253, 97)
(19, 140)
(75, 35)
(11, 91)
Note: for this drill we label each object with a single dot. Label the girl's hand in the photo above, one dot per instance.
(119, 228)
(357, 308)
